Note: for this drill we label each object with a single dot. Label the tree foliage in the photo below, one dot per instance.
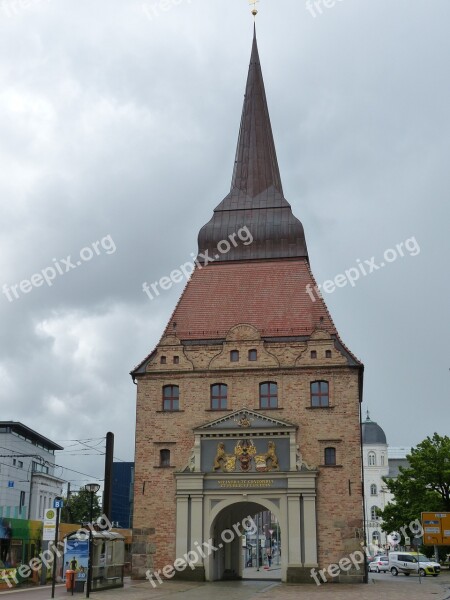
(78, 508)
(422, 487)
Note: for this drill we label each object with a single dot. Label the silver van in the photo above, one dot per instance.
(411, 562)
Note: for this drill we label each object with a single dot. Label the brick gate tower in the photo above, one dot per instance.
(250, 401)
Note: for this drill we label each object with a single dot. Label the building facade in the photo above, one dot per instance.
(122, 494)
(27, 472)
(380, 461)
(250, 402)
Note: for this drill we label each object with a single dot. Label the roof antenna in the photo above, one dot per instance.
(253, 3)
(368, 415)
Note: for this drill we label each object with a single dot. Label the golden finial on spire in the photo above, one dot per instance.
(253, 3)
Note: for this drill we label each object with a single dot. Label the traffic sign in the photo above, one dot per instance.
(436, 528)
(49, 525)
(58, 503)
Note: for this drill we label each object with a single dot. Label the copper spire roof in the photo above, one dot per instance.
(256, 166)
(256, 198)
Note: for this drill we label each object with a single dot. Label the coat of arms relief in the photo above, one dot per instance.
(245, 457)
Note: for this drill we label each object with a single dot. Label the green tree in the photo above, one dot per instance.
(422, 487)
(78, 508)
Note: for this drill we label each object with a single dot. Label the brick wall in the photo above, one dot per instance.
(290, 364)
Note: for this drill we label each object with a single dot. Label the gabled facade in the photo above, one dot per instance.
(250, 401)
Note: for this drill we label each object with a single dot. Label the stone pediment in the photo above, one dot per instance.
(245, 420)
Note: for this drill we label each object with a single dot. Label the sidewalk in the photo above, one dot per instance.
(392, 588)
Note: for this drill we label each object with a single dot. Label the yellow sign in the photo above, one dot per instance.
(436, 529)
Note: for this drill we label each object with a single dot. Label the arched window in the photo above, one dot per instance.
(320, 395)
(373, 490)
(219, 396)
(373, 513)
(268, 395)
(372, 459)
(171, 397)
(330, 456)
(252, 355)
(376, 538)
(234, 356)
(382, 459)
(164, 458)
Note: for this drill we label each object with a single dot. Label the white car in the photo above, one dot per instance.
(411, 562)
(379, 564)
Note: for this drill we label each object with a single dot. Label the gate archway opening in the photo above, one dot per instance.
(241, 534)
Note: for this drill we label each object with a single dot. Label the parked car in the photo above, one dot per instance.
(410, 562)
(379, 564)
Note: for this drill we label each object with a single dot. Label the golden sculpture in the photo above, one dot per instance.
(269, 460)
(224, 461)
(245, 452)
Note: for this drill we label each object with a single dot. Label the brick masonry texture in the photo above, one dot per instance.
(289, 363)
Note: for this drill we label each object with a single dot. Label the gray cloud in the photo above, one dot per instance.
(116, 124)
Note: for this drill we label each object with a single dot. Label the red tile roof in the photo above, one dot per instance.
(270, 295)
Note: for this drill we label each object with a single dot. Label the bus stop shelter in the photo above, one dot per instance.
(108, 559)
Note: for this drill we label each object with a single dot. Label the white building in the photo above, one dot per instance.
(379, 461)
(27, 472)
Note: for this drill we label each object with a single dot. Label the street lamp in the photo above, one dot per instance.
(92, 488)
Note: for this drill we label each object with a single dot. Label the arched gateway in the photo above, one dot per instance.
(244, 463)
(249, 376)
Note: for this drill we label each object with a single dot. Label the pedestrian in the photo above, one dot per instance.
(5, 540)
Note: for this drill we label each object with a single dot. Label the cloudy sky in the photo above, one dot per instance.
(118, 125)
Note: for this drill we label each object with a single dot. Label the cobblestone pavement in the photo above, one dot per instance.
(380, 586)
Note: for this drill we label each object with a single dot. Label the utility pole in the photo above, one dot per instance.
(107, 492)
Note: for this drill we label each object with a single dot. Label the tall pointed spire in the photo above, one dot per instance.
(256, 166)
(256, 198)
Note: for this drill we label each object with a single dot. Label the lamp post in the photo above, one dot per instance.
(92, 488)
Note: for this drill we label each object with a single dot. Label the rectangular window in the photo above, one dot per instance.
(20, 464)
(171, 397)
(22, 500)
(330, 456)
(252, 355)
(176, 360)
(234, 356)
(268, 395)
(219, 396)
(320, 394)
(164, 458)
